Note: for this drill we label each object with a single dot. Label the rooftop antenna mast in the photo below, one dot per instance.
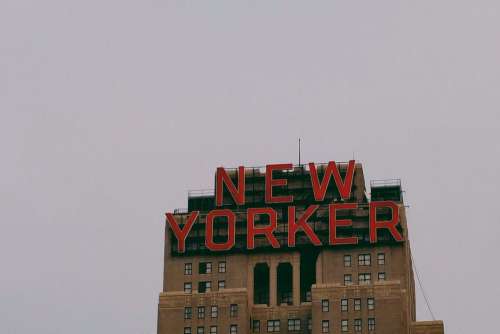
(299, 151)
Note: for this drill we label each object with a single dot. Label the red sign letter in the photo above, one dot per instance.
(344, 222)
(209, 230)
(267, 231)
(181, 234)
(344, 187)
(237, 194)
(293, 226)
(270, 183)
(389, 224)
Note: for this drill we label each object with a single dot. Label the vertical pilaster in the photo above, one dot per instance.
(319, 269)
(250, 275)
(296, 280)
(273, 291)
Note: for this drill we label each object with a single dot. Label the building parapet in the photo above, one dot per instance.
(428, 327)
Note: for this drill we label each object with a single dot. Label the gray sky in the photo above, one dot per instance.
(110, 111)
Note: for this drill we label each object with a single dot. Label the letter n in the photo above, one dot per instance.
(238, 194)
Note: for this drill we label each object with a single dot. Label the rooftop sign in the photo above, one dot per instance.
(319, 188)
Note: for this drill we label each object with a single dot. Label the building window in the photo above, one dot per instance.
(213, 329)
(309, 324)
(365, 278)
(347, 261)
(364, 259)
(214, 311)
(371, 303)
(205, 267)
(204, 287)
(344, 305)
(293, 325)
(325, 305)
(308, 296)
(187, 330)
(188, 268)
(188, 312)
(233, 329)
(201, 312)
(233, 310)
(222, 267)
(344, 325)
(286, 298)
(347, 279)
(381, 276)
(371, 324)
(222, 285)
(256, 326)
(381, 259)
(200, 330)
(325, 326)
(357, 304)
(357, 325)
(273, 326)
(188, 287)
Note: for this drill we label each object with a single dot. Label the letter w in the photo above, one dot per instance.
(344, 187)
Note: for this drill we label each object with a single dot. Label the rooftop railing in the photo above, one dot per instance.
(385, 183)
(201, 193)
(180, 211)
(295, 167)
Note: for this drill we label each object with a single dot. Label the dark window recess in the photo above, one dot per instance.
(261, 284)
(256, 326)
(204, 287)
(205, 267)
(308, 259)
(285, 283)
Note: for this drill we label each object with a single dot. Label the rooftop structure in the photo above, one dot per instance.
(306, 286)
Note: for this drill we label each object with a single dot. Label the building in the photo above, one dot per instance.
(346, 288)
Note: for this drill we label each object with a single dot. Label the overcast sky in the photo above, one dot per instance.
(110, 111)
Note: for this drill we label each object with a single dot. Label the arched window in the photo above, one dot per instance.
(285, 283)
(261, 284)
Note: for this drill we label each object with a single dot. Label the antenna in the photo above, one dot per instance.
(299, 151)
